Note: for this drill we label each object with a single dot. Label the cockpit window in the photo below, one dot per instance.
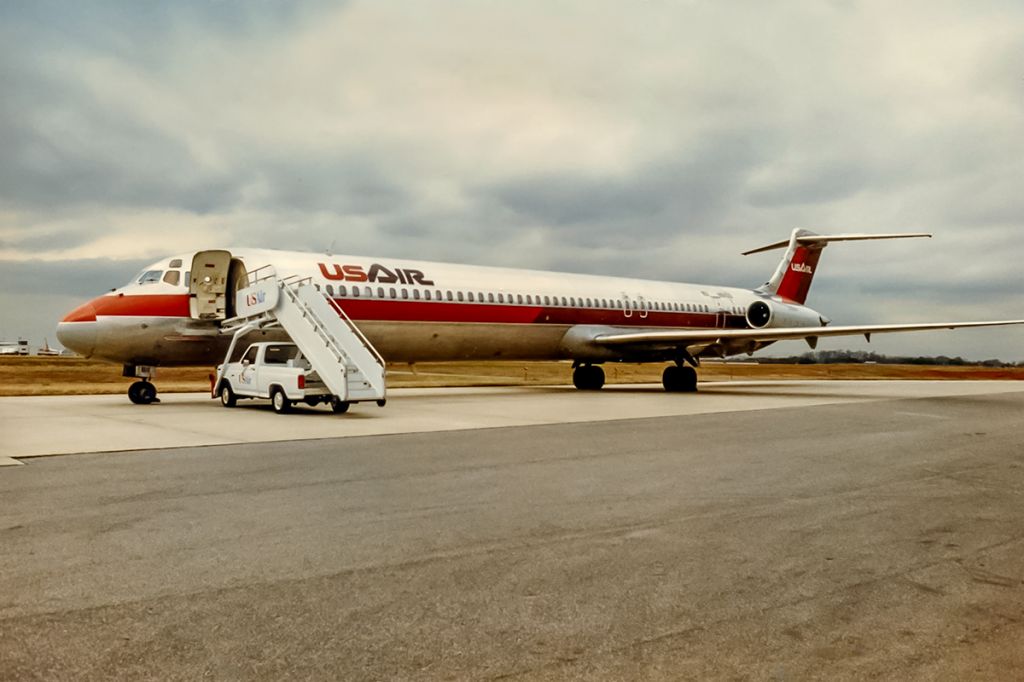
(150, 276)
(176, 263)
(172, 277)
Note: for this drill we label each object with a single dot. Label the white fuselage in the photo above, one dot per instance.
(410, 310)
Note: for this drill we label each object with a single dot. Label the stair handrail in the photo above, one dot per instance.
(296, 280)
(253, 279)
(320, 324)
(358, 332)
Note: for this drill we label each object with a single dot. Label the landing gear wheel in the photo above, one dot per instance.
(227, 396)
(588, 378)
(142, 393)
(339, 406)
(280, 401)
(678, 379)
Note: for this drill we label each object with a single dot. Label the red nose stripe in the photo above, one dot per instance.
(151, 305)
(83, 313)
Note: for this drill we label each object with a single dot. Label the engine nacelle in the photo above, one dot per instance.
(772, 314)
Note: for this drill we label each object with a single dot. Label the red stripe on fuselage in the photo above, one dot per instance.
(384, 310)
(144, 305)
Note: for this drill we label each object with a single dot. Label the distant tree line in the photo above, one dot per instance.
(828, 357)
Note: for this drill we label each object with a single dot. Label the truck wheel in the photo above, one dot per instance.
(339, 406)
(227, 396)
(280, 401)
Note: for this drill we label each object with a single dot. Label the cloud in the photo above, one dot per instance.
(655, 141)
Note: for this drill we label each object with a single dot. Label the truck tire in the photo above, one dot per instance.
(280, 401)
(227, 396)
(339, 406)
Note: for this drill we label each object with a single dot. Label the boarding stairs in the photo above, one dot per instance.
(333, 345)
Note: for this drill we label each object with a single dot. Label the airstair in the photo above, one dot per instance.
(343, 358)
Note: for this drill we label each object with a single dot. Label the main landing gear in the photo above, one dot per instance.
(679, 379)
(588, 377)
(142, 392)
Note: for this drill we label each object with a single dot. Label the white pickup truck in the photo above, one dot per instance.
(276, 371)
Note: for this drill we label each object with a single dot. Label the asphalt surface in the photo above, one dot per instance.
(880, 538)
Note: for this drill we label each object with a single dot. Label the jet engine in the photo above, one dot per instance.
(771, 314)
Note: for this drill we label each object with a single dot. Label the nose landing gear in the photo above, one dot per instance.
(142, 392)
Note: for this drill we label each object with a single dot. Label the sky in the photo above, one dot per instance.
(655, 139)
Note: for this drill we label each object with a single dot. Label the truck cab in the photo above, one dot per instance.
(274, 371)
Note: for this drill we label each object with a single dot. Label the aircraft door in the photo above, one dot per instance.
(208, 288)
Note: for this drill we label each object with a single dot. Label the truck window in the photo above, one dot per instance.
(250, 355)
(280, 355)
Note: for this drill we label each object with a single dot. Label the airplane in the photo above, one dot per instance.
(46, 351)
(417, 311)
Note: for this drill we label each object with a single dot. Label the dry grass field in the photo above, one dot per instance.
(75, 376)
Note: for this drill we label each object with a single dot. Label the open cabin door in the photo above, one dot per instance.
(216, 276)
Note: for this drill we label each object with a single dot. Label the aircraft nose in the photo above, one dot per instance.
(77, 331)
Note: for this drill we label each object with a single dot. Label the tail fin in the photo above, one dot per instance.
(792, 278)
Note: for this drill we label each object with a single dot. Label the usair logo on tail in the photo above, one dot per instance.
(802, 267)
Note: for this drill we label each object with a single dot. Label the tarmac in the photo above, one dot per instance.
(782, 530)
(59, 425)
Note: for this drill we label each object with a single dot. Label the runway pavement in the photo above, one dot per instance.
(837, 531)
(49, 425)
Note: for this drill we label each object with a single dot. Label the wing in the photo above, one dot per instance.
(748, 339)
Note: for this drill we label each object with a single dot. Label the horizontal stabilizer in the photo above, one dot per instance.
(823, 239)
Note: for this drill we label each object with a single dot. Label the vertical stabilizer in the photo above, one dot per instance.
(793, 276)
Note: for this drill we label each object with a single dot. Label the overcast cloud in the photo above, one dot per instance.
(654, 139)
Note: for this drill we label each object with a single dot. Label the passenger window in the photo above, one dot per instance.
(342, 290)
(151, 276)
(448, 295)
(565, 303)
(380, 292)
(501, 298)
(460, 297)
(355, 292)
(426, 294)
(519, 298)
(172, 277)
(572, 301)
(529, 300)
(405, 294)
(416, 294)
(469, 296)
(330, 289)
(547, 301)
(392, 292)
